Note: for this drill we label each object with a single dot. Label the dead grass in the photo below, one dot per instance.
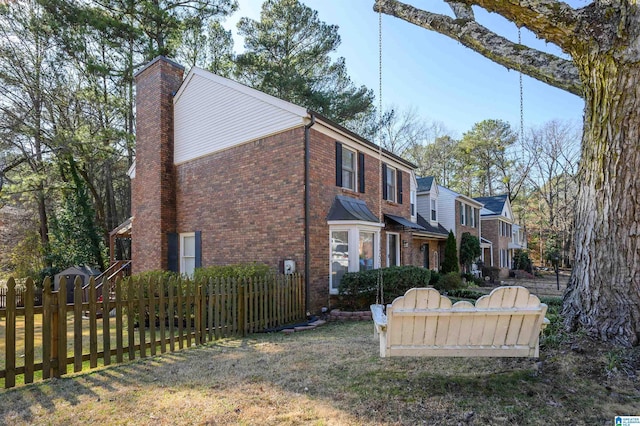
(20, 334)
(333, 376)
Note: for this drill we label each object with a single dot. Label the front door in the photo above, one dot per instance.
(425, 262)
(393, 250)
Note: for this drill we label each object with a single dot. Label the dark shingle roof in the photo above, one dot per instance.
(495, 203)
(424, 183)
(440, 230)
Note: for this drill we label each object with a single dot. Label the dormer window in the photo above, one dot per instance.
(434, 210)
(413, 203)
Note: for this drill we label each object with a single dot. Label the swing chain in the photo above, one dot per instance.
(521, 91)
(380, 290)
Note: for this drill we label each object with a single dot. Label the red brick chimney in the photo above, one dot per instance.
(153, 193)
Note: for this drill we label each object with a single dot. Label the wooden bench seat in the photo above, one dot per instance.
(505, 323)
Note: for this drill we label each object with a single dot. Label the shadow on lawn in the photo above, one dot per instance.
(331, 375)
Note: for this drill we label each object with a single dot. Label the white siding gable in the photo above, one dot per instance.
(506, 210)
(212, 113)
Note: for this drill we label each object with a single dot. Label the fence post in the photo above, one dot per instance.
(54, 333)
(47, 303)
(29, 330)
(10, 337)
(197, 307)
(241, 310)
(62, 327)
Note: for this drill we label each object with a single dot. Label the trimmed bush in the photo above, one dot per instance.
(358, 289)
(450, 281)
(465, 293)
(435, 279)
(155, 275)
(249, 270)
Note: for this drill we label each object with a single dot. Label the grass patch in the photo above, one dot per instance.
(333, 375)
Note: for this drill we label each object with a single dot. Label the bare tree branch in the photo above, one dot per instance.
(548, 68)
(461, 10)
(552, 20)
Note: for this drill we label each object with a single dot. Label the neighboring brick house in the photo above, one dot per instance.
(498, 226)
(449, 211)
(228, 174)
(432, 240)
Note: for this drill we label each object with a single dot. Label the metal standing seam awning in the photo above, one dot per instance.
(406, 223)
(350, 209)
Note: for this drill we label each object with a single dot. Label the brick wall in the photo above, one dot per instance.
(436, 248)
(491, 231)
(153, 189)
(461, 229)
(248, 201)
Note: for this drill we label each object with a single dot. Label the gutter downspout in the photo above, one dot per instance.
(307, 208)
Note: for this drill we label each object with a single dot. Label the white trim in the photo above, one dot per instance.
(183, 266)
(354, 169)
(394, 194)
(398, 262)
(348, 223)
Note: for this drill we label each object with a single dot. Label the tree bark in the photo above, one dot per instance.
(603, 295)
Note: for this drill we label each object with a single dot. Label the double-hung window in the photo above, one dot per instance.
(434, 210)
(187, 253)
(184, 252)
(348, 168)
(390, 183)
(463, 214)
(413, 203)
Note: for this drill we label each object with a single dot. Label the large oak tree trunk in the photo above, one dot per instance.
(603, 295)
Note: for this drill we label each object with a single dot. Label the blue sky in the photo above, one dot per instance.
(442, 79)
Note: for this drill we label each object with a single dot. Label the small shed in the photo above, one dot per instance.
(84, 272)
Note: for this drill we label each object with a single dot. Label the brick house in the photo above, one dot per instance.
(499, 227)
(433, 239)
(446, 211)
(227, 174)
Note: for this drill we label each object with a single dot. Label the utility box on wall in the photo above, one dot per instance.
(289, 266)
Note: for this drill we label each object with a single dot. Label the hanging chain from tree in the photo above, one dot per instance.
(380, 290)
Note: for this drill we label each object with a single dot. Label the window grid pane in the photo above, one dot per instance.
(339, 256)
(366, 251)
(391, 184)
(348, 169)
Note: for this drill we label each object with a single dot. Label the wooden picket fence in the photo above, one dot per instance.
(20, 297)
(138, 318)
